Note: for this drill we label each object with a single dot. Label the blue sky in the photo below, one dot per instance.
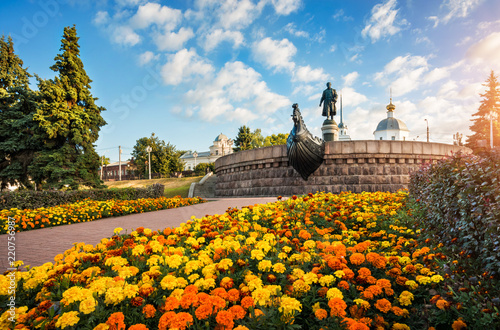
(188, 70)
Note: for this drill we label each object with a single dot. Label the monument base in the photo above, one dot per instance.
(330, 130)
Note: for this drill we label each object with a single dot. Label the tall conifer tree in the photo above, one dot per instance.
(490, 105)
(17, 129)
(69, 122)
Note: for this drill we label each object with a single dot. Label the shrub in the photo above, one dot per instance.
(460, 197)
(27, 199)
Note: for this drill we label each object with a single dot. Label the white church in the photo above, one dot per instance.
(391, 128)
(222, 146)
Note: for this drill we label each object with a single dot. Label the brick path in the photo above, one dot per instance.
(36, 247)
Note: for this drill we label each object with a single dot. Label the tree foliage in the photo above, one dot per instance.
(201, 168)
(17, 106)
(164, 157)
(69, 122)
(490, 105)
(247, 139)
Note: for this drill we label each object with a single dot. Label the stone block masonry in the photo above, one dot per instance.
(355, 166)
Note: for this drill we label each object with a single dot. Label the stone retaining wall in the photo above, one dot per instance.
(349, 166)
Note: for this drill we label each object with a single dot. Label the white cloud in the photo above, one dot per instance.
(101, 18)
(436, 75)
(172, 41)
(307, 74)
(236, 14)
(275, 54)
(182, 66)
(383, 21)
(459, 8)
(126, 3)
(351, 98)
(350, 78)
(291, 28)
(125, 35)
(235, 90)
(217, 36)
(154, 13)
(403, 73)
(285, 7)
(486, 51)
(147, 57)
(340, 15)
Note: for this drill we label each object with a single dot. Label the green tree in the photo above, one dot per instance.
(69, 122)
(257, 139)
(275, 139)
(490, 105)
(17, 128)
(164, 157)
(201, 169)
(244, 139)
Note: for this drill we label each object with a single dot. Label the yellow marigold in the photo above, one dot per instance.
(257, 254)
(436, 278)
(363, 303)
(261, 296)
(279, 268)
(265, 265)
(411, 284)
(459, 325)
(326, 280)
(334, 293)
(67, 319)
(301, 286)
(310, 244)
(88, 305)
(114, 296)
(310, 278)
(289, 305)
(241, 327)
(405, 298)
(400, 326)
(102, 326)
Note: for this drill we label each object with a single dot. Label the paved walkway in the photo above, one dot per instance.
(36, 247)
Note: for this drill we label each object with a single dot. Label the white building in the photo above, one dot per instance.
(391, 128)
(222, 146)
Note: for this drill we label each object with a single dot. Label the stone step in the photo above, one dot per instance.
(207, 189)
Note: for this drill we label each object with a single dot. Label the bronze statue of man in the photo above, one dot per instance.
(329, 98)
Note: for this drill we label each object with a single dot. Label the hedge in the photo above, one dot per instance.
(28, 199)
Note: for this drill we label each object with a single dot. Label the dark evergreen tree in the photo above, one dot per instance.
(490, 105)
(17, 129)
(164, 157)
(244, 139)
(69, 122)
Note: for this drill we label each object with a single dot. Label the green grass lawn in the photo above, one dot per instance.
(173, 186)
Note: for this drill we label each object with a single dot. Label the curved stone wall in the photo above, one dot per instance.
(356, 166)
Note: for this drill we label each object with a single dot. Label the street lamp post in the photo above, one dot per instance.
(427, 129)
(149, 149)
(195, 154)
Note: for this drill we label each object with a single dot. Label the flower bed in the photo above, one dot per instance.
(321, 261)
(84, 211)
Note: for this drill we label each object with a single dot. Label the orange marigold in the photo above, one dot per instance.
(357, 258)
(247, 302)
(188, 300)
(383, 305)
(459, 324)
(203, 311)
(225, 318)
(400, 311)
(171, 303)
(191, 289)
(321, 314)
(139, 326)
(442, 304)
(220, 292)
(304, 234)
(149, 311)
(343, 285)
(115, 321)
(238, 312)
(181, 321)
(338, 307)
(364, 272)
(233, 295)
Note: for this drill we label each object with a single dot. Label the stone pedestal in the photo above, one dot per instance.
(330, 130)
